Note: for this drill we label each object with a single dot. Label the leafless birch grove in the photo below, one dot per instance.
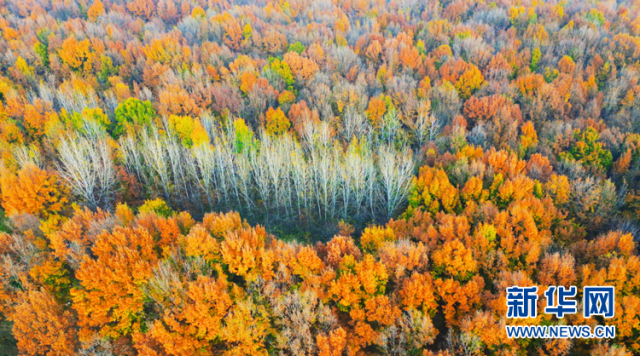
(277, 178)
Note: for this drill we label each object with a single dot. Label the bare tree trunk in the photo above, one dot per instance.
(395, 169)
(202, 169)
(154, 156)
(86, 165)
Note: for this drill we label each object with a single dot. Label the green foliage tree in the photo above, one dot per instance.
(588, 150)
(282, 69)
(535, 59)
(132, 114)
(107, 69)
(297, 47)
(42, 47)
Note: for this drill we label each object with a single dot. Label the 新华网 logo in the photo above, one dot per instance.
(560, 301)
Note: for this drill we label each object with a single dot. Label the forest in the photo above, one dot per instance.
(315, 177)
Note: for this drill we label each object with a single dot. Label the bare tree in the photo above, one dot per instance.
(391, 128)
(300, 179)
(203, 169)
(261, 178)
(411, 332)
(426, 128)
(86, 165)
(178, 159)
(154, 157)
(132, 156)
(244, 180)
(354, 124)
(273, 155)
(356, 170)
(290, 180)
(27, 154)
(395, 169)
(322, 167)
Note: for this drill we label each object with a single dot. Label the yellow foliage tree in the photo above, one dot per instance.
(373, 237)
(95, 10)
(277, 122)
(470, 81)
(529, 137)
(433, 192)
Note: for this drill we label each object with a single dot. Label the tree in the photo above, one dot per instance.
(373, 238)
(144, 9)
(109, 298)
(432, 191)
(247, 81)
(195, 325)
(297, 47)
(418, 292)
(132, 115)
(95, 10)
(234, 34)
(339, 247)
(332, 344)
(455, 260)
(587, 150)
(535, 59)
(76, 54)
(358, 282)
(395, 171)
(157, 206)
(530, 84)
(42, 326)
(377, 108)
(73, 239)
(244, 254)
(277, 122)
(302, 68)
(168, 11)
(566, 65)
(372, 52)
(465, 77)
(42, 47)
(529, 137)
(246, 329)
(189, 131)
(35, 122)
(32, 191)
(458, 299)
(87, 167)
(274, 42)
(470, 81)
(165, 50)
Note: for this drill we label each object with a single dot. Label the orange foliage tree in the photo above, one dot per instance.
(42, 326)
(76, 54)
(32, 191)
(110, 299)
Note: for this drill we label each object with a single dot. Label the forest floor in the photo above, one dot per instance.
(7, 342)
